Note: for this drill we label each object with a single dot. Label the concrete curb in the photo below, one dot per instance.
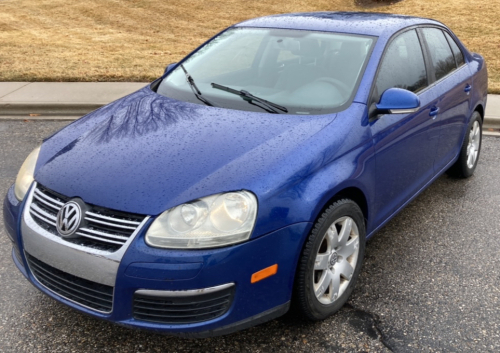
(39, 118)
(491, 126)
(491, 122)
(60, 98)
(47, 109)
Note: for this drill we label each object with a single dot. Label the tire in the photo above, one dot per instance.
(469, 154)
(330, 261)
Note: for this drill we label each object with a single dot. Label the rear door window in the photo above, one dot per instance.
(459, 56)
(442, 57)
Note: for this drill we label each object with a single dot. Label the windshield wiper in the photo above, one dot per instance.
(195, 89)
(266, 105)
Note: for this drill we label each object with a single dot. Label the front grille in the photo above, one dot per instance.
(182, 309)
(101, 228)
(87, 293)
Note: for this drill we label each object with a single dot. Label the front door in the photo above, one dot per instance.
(404, 143)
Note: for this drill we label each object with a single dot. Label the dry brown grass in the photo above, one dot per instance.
(113, 40)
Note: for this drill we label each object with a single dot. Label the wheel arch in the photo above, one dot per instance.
(480, 109)
(353, 193)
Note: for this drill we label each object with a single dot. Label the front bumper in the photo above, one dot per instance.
(146, 269)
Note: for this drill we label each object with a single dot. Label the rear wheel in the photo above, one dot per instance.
(469, 154)
(331, 261)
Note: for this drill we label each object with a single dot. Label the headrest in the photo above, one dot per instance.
(351, 48)
(308, 48)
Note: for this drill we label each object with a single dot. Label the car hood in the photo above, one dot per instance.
(146, 153)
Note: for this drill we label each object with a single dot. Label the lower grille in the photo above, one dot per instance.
(182, 309)
(87, 293)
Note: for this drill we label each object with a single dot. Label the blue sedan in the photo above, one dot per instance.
(250, 175)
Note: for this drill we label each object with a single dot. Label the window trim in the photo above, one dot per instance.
(427, 59)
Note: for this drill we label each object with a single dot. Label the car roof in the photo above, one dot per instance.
(367, 23)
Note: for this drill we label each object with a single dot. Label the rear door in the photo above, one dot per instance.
(452, 83)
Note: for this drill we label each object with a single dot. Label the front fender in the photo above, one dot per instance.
(346, 160)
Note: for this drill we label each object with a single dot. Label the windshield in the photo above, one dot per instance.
(304, 71)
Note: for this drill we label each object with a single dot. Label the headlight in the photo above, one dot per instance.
(25, 175)
(212, 221)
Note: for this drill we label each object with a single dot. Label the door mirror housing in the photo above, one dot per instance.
(169, 68)
(398, 101)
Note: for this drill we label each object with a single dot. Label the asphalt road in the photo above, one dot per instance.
(430, 281)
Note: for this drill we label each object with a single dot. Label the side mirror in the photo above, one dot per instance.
(169, 68)
(398, 101)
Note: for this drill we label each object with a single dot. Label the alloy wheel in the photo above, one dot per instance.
(336, 260)
(473, 146)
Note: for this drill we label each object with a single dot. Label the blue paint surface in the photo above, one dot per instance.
(146, 153)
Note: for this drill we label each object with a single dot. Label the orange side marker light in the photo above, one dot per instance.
(262, 274)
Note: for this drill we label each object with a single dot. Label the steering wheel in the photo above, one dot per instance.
(343, 89)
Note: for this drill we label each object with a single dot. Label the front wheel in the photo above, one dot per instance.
(469, 154)
(331, 261)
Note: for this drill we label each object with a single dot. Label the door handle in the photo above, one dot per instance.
(467, 88)
(434, 111)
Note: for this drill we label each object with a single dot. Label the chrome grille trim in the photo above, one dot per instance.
(103, 234)
(182, 293)
(90, 219)
(100, 238)
(101, 231)
(48, 201)
(44, 216)
(113, 219)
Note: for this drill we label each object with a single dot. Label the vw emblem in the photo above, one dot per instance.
(69, 219)
(334, 259)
